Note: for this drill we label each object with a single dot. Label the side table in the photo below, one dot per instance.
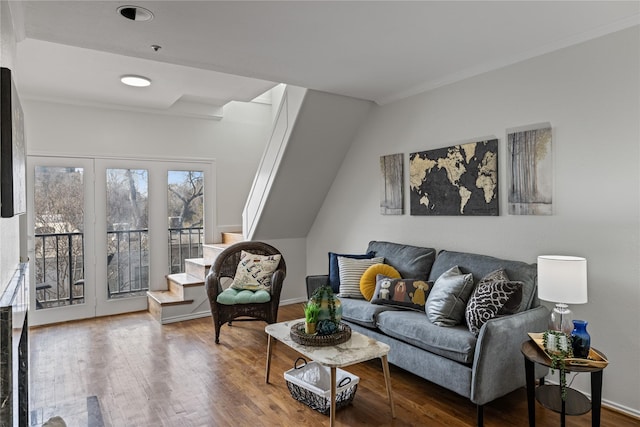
(549, 395)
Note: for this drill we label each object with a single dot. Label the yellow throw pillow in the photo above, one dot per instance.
(368, 279)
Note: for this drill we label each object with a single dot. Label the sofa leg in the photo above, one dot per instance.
(480, 412)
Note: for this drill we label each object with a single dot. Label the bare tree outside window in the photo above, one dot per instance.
(127, 232)
(59, 224)
(186, 215)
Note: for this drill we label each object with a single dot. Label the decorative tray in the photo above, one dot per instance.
(301, 337)
(595, 360)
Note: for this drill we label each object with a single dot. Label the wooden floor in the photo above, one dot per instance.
(146, 374)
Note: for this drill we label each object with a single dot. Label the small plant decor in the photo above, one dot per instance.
(311, 312)
(330, 310)
(558, 347)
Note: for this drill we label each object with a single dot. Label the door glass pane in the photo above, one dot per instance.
(127, 233)
(185, 208)
(59, 238)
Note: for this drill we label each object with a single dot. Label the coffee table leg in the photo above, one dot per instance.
(266, 377)
(332, 414)
(387, 380)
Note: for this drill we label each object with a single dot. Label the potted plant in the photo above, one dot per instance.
(311, 312)
(558, 347)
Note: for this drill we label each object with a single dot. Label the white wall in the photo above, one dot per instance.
(590, 95)
(9, 227)
(235, 143)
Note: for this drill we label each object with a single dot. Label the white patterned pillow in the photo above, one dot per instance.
(351, 270)
(254, 271)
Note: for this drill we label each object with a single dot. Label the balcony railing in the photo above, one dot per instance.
(59, 263)
(184, 243)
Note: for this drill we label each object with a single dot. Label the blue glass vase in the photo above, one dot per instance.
(580, 339)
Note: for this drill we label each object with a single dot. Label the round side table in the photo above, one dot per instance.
(549, 395)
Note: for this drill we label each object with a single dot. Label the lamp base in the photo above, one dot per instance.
(561, 319)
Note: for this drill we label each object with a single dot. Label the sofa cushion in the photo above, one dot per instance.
(488, 300)
(448, 298)
(411, 261)
(351, 271)
(402, 293)
(455, 343)
(481, 265)
(361, 311)
(334, 271)
(369, 278)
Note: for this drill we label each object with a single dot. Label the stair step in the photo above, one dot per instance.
(232, 237)
(197, 267)
(212, 250)
(165, 298)
(184, 279)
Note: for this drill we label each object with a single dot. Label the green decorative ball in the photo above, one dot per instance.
(326, 327)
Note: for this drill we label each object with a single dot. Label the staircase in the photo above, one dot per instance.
(185, 297)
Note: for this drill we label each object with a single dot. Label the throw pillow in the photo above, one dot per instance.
(486, 302)
(448, 298)
(512, 306)
(368, 279)
(254, 271)
(351, 271)
(401, 293)
(334, 271)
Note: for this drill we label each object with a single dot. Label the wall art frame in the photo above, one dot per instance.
(460, 180)
(13, 198)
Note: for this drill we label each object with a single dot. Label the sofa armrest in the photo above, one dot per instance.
(498, 365)
(314, 282)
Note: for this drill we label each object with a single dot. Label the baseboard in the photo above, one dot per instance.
(293, 301)
(630, 412)
(183, 317)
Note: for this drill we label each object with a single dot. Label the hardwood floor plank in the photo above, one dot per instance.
(147, 374)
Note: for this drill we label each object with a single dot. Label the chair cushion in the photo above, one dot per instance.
(232, 296)
(254, 271)
(369, 278)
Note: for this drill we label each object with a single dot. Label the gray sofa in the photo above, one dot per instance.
(480, 368)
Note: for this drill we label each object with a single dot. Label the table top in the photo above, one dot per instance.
(359, 348)
(531, 351)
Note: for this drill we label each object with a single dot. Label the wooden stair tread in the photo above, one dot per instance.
(185, 280)
(199, 261)
(167, 298)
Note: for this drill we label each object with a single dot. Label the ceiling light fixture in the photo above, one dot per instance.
(137, 81)
(135, 13)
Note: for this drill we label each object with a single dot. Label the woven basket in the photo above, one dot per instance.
(301, 337)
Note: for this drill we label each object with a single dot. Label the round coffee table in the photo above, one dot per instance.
(549, 395)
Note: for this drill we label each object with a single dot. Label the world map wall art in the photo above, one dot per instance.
(457, 180)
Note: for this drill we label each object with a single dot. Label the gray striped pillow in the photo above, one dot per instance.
(351, 270)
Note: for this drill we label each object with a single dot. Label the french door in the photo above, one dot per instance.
(105, 231)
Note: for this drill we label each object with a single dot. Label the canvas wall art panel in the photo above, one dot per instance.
(391, 188)
(457, 180)
(530, 172)
(13, 196)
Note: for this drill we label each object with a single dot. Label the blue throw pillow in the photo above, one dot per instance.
(334, 271)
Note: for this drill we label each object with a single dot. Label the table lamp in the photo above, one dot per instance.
(563, 280)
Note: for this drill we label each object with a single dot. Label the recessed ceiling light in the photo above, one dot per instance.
(137, 81)
(135, 13)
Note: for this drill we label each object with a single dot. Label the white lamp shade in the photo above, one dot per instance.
(562, 279)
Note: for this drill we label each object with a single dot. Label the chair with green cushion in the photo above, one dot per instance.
(253, 294)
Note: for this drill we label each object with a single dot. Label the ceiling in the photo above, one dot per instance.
(214, 52)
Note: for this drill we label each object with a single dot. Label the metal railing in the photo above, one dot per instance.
(184, 243)
(59, 263)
